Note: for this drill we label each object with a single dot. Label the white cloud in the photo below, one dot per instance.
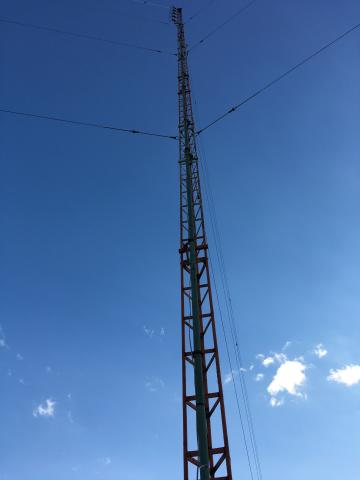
(21, 381)
(259, 377)
(268, 361)
(280, 357)
(271, 359)
(19, 357)
(251, 367)
(349, 375)
(46, 409)
(154, 384)
(320, 351)
(289, 378)
(148, 332)
(274, 402)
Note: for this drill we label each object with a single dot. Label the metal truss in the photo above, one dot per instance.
(205, 439)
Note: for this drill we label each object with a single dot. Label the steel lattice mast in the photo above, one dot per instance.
(206, 448)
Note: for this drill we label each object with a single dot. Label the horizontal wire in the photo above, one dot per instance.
(87, 124)
(219, 27)
(81, 35)
(277, 79)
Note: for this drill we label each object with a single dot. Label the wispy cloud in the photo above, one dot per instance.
(154, 384)
(148, 331)
(349, 375)
(46, 409)
(234, 373)
(151, 333)
(320, 351)
(287, 345)
(259, 377)
(266, 361)
(289, 378)
(3, 343)
(275, 402)
(19, 357)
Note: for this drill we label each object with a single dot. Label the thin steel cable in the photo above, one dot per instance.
(235, 340)
(86, 124)
(230, 365)
(219, 27)
(228, 355)
(85, 36)
(150, 4)
(200, 11)
(230, 312)
(277, 79)
(242, 385)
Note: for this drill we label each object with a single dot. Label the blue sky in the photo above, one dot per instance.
(89, 311)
